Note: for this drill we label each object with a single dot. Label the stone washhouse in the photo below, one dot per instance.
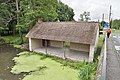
(50, 38)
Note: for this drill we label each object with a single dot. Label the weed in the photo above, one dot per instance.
(88, 71)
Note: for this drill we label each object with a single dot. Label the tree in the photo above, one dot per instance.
(32, 10)
(47, 10)
(85, 16)
(116, 24)
(7, 15)
(65, 13)
(18, 22)
(102, 23)
(4, 17)
(81, 17)
(20, 15)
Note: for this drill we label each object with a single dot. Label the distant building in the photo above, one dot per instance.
(50, 37)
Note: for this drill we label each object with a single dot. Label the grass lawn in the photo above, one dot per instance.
(116, 31)
(42, 69)
(14, 40)
(100, 43)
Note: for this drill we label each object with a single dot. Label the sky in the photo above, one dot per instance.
(95, 7)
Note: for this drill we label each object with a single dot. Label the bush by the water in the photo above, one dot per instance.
(18, 41)
(1, 40)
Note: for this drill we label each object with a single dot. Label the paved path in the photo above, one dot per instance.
(113, 58)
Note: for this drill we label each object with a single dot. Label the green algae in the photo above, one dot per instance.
(42, 69)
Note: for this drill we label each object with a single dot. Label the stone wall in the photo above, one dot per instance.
(34, 44)
(80, 47)
(56, 44)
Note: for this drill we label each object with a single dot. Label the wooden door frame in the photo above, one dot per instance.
(45, 43)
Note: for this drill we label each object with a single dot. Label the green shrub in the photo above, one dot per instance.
(2, 40)
(66, 44)
(18, 41)
(88, 71)
(85, 73)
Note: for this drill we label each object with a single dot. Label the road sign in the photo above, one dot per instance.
(105, 25)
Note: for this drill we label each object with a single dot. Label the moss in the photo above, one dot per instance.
(17, 46)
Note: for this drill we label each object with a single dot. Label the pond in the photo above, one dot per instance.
(7, 53)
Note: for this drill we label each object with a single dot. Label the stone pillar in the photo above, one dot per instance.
(91, 53)
(30, 44)
(96, 41)
(64, 51)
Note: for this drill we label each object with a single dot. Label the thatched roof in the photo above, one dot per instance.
(65, 31)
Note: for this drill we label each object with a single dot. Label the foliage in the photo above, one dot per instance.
(13, 39)
(116, 24)
(32, 9)
(18, 41)
(87, 72)
(1, 40)
(28, 13)
(65, 13)
(47, 10)
(101, 26)
(7, 15)
(66, 44)
(102, 23)
(85, 16)
(100, 44)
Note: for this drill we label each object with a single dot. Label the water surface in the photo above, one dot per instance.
(7, 53)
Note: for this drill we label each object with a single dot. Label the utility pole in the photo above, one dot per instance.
(110, 16)
(98, 20)
(103, 17)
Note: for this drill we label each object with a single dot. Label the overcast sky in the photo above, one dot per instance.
(95, 7)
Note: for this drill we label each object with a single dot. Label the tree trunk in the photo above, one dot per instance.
(20, 33)
(14, 29)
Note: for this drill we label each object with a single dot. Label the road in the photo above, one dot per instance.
(113, 58)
